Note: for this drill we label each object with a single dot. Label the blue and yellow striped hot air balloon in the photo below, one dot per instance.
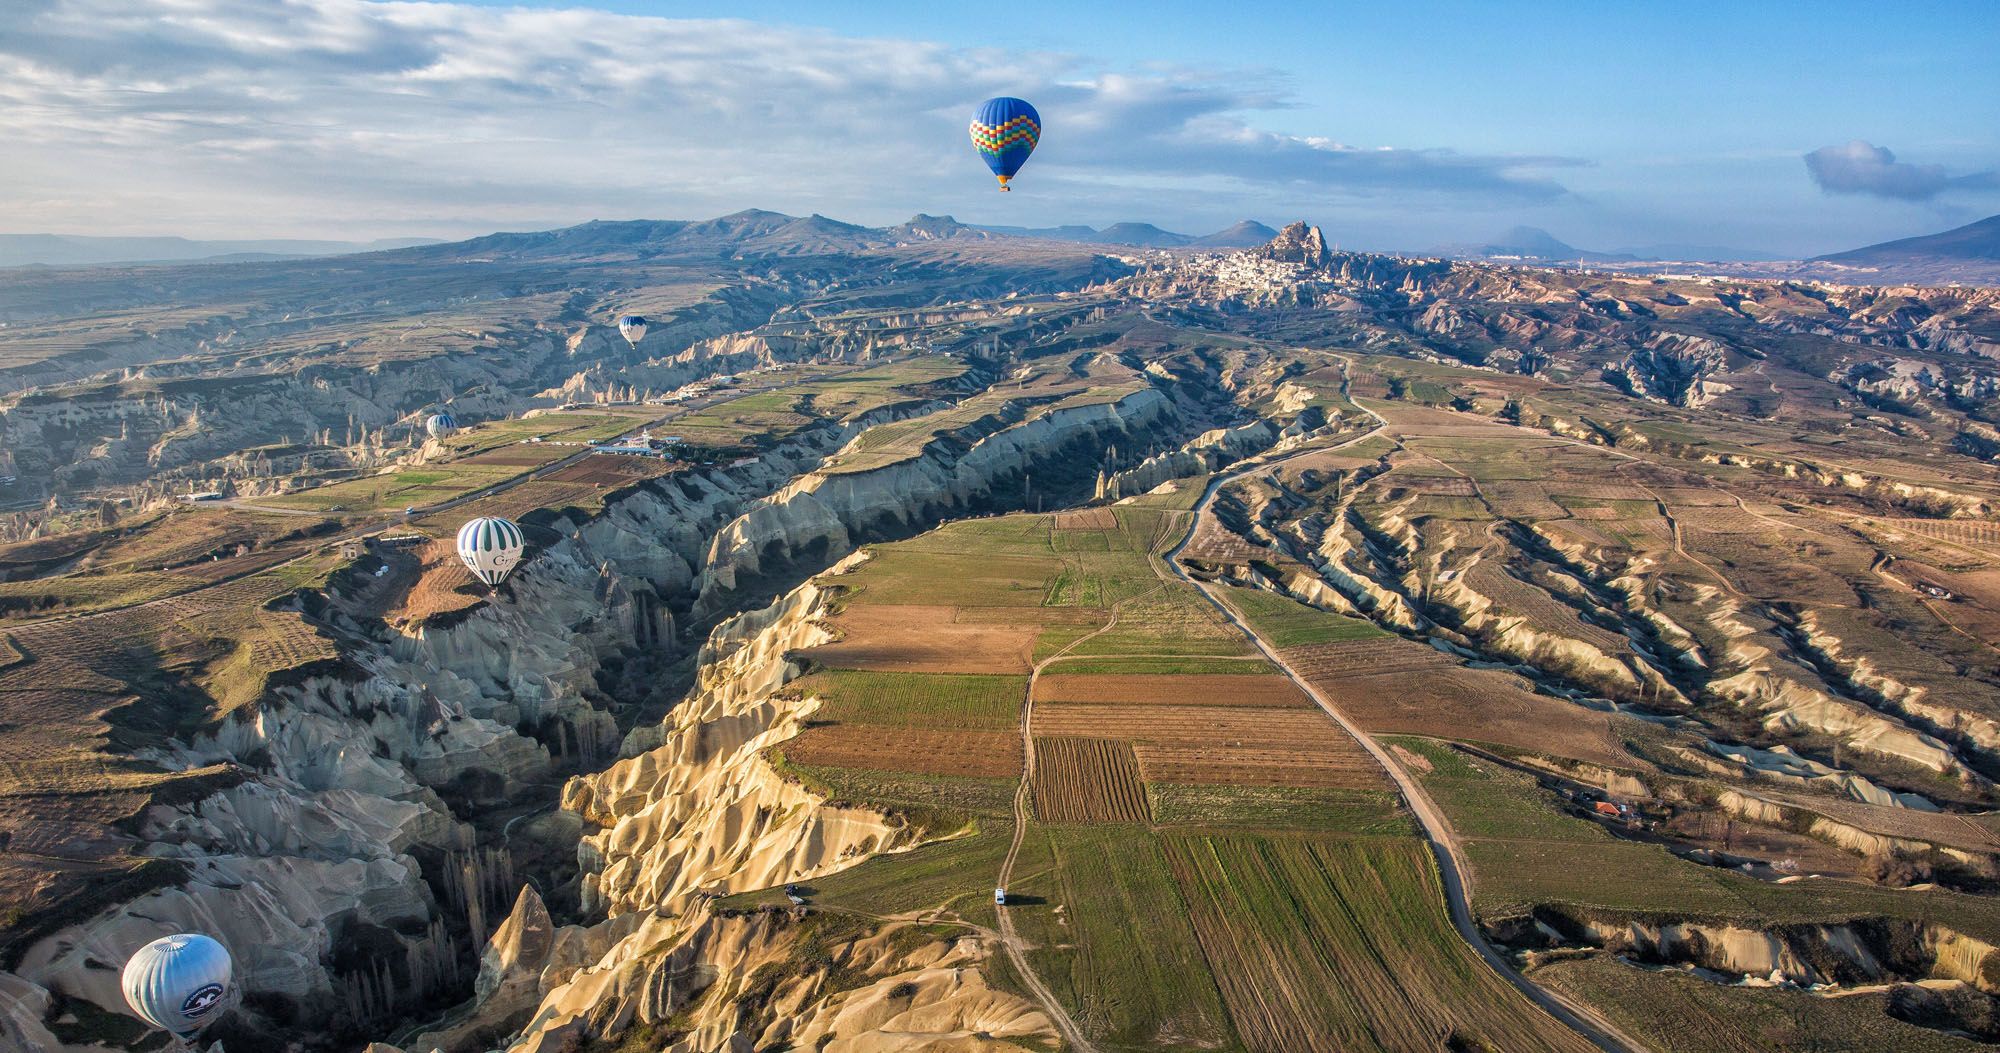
(1005, 131)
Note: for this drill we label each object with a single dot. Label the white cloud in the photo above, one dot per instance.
(342, 116)
(1862, 168)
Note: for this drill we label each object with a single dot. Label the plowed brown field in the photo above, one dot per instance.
(1226, 745)
(445, 585)
(1087, 781)
(918, 638)
(1381, 654)
(1474, 705)
(1088, 519)
(988, 754)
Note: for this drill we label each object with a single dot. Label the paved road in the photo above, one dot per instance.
(1437, 830)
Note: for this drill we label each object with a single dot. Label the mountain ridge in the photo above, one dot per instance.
(89, 250)
(1978, 241)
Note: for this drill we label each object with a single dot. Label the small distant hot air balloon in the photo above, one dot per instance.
(441, 424)
(490, 547)
(633, 328)
(178, 983)
(1005, 131)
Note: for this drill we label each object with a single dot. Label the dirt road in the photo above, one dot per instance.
(1437, 830)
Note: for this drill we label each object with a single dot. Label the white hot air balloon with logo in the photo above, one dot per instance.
(633, 328)
(491, 548)
(178, 983)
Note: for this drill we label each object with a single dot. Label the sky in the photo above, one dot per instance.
(1783, 128)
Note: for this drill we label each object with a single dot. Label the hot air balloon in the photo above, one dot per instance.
(633, 328)
(441, 425)
(178, 983)
(490, 547)
(1005, 132)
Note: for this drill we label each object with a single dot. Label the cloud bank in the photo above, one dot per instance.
(343, 116)
(1862, 168)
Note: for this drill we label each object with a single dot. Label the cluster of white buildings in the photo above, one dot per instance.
(1245, 270)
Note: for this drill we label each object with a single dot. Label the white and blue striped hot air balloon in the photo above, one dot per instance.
(633, 328)
(491, 548)
(441, 424)
(178, 983)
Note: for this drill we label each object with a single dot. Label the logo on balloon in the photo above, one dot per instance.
(202, 1000)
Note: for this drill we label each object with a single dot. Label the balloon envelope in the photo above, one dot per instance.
(490, 547)
(633, 328)
(441, 425)
(1005, 131)
(178, 983)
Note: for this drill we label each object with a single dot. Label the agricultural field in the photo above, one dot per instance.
(853, 394)
(1129, 994)
(1286, 623)
(980, 754)
(1087, 780)
(1227, 745)
(918, 700)
(741, 422)
(1342, 944)
(1681, 1013)
(1471, 705)
(1214, 689)
(1155, 731)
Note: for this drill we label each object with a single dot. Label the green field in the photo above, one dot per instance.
(1524, 852)
(1371, 812)
(750, 419)
(847, 397)
(1192, 666)
(941, 803)
(897, 441)
(40, 597)
(1678, 1013)
(1285, 622)
(1174, 619)
(955, 874)
(916, 700)
(1128, 993)
(568, 426)
(898, 575)
(1342, 944)
(430, 485)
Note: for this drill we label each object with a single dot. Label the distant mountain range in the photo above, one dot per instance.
(1974, 242)
(756, 232)
(1534, 243)
(1970, 253)
(1245, 235)
(77, 250)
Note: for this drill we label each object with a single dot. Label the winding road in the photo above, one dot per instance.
(1452, 868)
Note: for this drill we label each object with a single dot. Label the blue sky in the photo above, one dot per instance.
(1393, 125)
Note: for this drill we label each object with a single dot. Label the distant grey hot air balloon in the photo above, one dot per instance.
(633, 328)
(490, 547)
(441, 425)
(178, 983)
